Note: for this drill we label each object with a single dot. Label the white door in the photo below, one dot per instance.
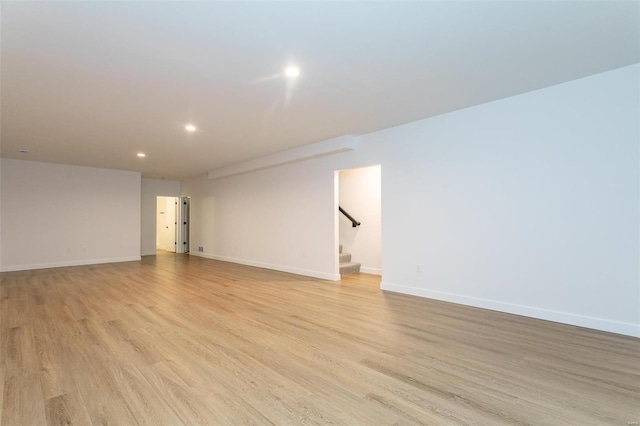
(182, 223)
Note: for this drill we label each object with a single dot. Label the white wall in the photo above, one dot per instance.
(151, 189)
(360, 197)
(56, 215)
(279, 219)
(527, 205)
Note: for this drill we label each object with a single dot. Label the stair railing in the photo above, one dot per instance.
(354, 222)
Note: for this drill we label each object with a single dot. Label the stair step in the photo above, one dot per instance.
(345, 257)
(349, 268)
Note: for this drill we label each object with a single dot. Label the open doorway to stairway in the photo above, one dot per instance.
(359, 223)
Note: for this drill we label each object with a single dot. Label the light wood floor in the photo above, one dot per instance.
(177, 339)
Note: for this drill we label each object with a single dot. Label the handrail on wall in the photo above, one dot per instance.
(354, 222)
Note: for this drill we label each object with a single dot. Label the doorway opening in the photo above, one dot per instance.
(172, 224)
(358, 226)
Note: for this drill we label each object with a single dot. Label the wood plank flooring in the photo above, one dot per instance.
(175, 339)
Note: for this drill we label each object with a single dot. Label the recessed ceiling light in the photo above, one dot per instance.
(292, 71)
(190, 128)
(142, 154)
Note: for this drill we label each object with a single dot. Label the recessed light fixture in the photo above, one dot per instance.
(142, 154)
(292, 71)
(190, 128)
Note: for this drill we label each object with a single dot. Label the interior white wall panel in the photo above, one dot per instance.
(57, 215)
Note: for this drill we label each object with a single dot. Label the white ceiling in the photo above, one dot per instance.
(93, 83)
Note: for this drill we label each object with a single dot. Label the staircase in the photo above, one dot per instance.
(346, 265)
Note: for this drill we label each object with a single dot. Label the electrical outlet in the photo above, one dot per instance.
(200, 249)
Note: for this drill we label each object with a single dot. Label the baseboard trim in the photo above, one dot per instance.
(200, 254)
(281, 268)
(68, 263)
(372, 271)
(148, 253)
(601, 324)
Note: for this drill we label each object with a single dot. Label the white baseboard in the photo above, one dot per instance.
(201, 254)
(618, 327)
(372, 271)
(68, 263)
(148, 253)
(281, 268)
